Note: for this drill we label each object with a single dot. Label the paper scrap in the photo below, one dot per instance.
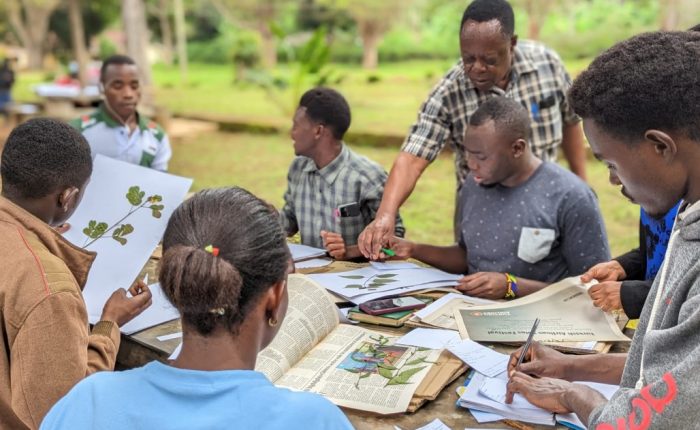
(176, 352)
(435, 424)
(169, 336)
(480, 358)
(399, 265)
(314, 262)
(431, 338)
(343, 316)
(485, 417)
(303, 252)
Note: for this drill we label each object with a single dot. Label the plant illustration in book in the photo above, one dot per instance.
(377, 357)
(119, 231)
(370, 283)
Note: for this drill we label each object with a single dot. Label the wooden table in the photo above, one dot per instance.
(143, 347)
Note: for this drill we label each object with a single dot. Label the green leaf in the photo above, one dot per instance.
(403, 377)
(422, 348)
(386, 366)
(352, 370)
(386, 275)
(135, 195)
(414, 362)
(388, 374)
(353, 286)
(352, 276)
(155, 198)
(95, 230)
(156, 207)
(121, 240)
(156, 214)
(365, 375)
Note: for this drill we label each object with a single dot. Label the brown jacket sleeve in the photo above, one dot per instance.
(53, 351)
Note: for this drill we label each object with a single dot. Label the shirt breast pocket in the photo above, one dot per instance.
(535, 244)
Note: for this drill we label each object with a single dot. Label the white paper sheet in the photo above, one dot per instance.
(485, 417)
(176, 352)
(430, 338)
(314, 262)
(480, 358)
(398, 265)
(369, 280)
(435, 424)
(437, 304)
(170, 336)
(159, 312)
(116, 265)
(303, 252)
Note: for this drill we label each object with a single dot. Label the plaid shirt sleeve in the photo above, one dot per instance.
(429, 134)
(567, 112)
(288, 217)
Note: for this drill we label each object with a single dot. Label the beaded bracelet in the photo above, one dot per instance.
(511, 286)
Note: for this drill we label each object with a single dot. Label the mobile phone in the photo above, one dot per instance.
(386, 306)
(349, 209)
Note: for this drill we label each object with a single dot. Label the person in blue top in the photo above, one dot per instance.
(224, 267)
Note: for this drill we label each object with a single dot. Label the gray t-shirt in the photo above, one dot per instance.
(545, 229)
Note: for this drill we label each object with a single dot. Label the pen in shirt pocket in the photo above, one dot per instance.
(535, 110)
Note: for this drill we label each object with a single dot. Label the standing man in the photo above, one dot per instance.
(116, 129)
(7, 79)
(493, 64)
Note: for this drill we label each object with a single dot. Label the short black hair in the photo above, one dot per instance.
(487, 10)
(510, 117)
(42, 156)
(220, 288)
(328, 107)
(648, 81)
(114, 60)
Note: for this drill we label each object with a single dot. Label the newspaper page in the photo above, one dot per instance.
(565, 310)
(361, 369)
(311, 316)
(443, 316)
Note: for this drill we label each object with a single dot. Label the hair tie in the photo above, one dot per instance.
(212, 250)
(218, 311)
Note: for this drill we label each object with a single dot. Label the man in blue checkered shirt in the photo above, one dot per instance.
(332, 192)
(493, 64)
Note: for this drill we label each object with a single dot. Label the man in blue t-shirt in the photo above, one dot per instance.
(525, 223)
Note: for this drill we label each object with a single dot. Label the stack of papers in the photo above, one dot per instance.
(485, 394)
(303, 252)
(369, 283)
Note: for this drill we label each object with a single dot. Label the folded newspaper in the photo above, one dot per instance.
(565, 310)
(352, 367)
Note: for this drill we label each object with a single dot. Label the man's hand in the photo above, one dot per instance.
(121, 309)
(334, 244)
(547, 393)
(488, 285)
(376, 235)
(541, 361)
(403, 248)
(606, 295)
(602, 272)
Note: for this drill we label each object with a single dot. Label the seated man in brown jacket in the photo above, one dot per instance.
(46, 345)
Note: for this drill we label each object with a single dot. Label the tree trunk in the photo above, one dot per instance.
(269, 46)
(134, 17)
(31, 26)
(181, 39)
(371, 36)
(166, 31)
(78, 39)
(669, 15)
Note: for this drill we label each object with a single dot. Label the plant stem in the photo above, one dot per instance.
(131, 211)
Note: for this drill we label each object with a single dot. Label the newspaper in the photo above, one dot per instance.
(441, 312)
(351, 366)
(565, 310)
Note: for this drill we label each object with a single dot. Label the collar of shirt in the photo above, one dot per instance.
(521, 66)
(104, 116)
(330, 172)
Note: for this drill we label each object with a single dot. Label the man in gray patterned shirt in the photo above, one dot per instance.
(332, 192)
(493, 64)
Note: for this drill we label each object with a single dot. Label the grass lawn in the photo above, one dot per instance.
(388, 105)
(259, 163)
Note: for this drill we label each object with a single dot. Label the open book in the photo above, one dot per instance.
(351, 366)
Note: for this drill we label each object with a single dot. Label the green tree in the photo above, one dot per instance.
(257, 15)
(373, 18)
(29, 20)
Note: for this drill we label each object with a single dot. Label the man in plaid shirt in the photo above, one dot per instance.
(493, 64)
(332, 192)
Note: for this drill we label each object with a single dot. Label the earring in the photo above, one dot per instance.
(272, 322)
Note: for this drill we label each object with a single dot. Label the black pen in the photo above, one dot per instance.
(528, 342)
